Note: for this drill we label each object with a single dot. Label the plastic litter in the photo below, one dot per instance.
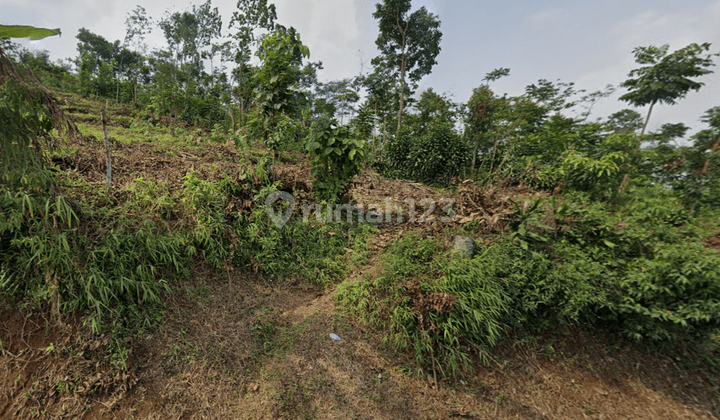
(335, 337)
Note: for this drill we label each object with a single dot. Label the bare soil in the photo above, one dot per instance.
(242, 347)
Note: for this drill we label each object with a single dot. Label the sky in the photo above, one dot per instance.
(589, 43)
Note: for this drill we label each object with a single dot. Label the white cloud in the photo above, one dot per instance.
(333, 30)
(547, 18)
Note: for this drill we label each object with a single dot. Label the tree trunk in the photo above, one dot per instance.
(242, 100)
(107, 148)
(642, 133)
(715, 147)
(472, 165)
(492, 162)
(402, 85)
(135, 91)
(403, 65)
(373, 130)
(626, 178)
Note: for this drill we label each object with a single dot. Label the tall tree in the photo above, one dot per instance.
(95, 44)
(340, 95)
(664, 78)
(379, 99)
(189, 33)
(250, 17)
(433, 109)
(709, 140)
(138, 24)
(408, 42)
(210, 28)
(481, 110)
(277, 92)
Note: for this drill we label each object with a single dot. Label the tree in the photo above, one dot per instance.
(481, 115)
(709, 140)
(433, 109)
(664, 78)
(625, 121)
(93, 51)
(496, 74)
(409, 43)
(210, 27)
(96, 44)
(481, 109)
(138, 25)
(379, 99)
(553, 96)
(691, 168)
(281, 54)
(338, 96)
(250, 16)
(181, 31)
(188, 33)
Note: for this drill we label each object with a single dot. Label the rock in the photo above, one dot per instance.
(464, 246)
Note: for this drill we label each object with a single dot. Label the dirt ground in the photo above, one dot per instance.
(240, 346)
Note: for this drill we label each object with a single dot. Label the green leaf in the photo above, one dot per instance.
(22, 31)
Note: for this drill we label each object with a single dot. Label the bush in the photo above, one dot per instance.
(83, 262)
(429, 304)
(336, 157)
(673, 294)
(433, 158)
(644, 274)
(317, 253)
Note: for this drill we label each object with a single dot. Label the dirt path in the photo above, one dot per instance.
(242, 347)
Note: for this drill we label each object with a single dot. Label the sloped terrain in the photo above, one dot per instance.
(240, 345)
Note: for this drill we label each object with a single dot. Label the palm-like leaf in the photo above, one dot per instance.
(23, 31)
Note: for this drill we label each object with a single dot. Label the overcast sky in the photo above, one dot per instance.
(586, 42)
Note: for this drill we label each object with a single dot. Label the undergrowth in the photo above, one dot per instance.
(72, 249)
(643, 272)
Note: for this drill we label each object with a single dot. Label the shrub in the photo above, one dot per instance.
(644, 274)
(430, 305)
(336, 157)
(433, 157)
(675, 293)
(83, 262)
(317, 253)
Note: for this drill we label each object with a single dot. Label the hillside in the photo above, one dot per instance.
(242, 331)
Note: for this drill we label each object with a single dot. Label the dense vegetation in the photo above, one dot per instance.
(617, 246)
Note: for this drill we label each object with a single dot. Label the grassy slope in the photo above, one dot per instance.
(239, 345)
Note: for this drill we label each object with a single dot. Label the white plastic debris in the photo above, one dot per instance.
(335, 337)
